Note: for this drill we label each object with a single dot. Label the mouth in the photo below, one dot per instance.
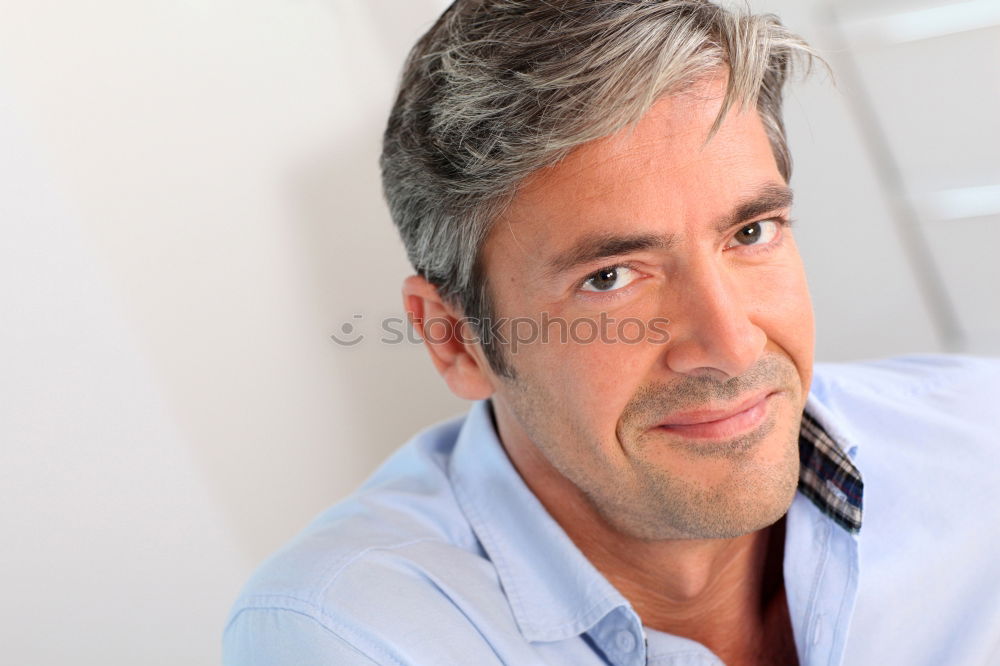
(723, 423)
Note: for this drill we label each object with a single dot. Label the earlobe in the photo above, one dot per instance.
(439, 325)
(467, 380)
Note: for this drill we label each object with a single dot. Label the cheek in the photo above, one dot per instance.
(588, 381)
(786, 316)
(787, 298)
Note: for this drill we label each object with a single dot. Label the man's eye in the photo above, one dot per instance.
(610, 279)
(758, 233)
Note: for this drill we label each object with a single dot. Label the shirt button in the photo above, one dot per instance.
(625, 641)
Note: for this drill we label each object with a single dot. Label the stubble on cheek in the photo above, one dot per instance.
(564, 434)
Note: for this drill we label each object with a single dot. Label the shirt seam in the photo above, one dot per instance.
(317, 615)
(331, 574)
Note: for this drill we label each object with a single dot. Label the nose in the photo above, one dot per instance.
(712, 331)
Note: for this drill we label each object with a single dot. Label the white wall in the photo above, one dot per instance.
(202, 212)
(190, 206)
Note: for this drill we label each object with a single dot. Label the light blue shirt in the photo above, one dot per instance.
(445, 556)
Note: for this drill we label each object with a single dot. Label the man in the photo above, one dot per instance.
(594, 194)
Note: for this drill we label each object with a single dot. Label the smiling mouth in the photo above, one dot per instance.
(717, 424)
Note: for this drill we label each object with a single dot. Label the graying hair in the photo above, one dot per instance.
(498, 89)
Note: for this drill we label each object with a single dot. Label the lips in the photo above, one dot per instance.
(729, 421)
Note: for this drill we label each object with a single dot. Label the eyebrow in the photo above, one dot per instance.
(769, 198)
(601, 246)
(596, 246)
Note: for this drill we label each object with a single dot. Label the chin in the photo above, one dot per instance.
(751, 495)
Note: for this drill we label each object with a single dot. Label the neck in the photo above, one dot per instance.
(700, 589)
(726, 594)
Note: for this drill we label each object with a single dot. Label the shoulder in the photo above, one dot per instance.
(924, 386)
(925, 430)
(390, 559)
(408, 500)
(913, 405)
(927, 435)
(914, 372)
(924, 434)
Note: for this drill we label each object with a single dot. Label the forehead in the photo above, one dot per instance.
(661, 175)
(666, 156)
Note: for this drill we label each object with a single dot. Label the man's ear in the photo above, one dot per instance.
(439, 325)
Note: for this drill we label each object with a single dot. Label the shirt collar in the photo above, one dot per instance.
(554, 591)
(828, 475)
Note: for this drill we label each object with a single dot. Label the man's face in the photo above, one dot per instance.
(695, 437)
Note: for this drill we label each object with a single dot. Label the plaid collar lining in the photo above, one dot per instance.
(828, 477)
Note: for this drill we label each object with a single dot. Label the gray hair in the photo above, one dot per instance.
(498, 89)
